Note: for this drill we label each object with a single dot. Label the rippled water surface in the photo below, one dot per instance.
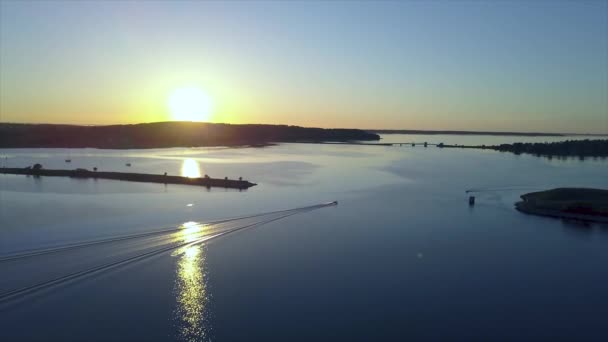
(402, 256)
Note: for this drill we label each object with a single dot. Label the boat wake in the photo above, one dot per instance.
(32, 271)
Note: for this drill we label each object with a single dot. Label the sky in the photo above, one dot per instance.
(447, 65)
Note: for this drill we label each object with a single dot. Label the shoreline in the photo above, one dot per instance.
(568, 148)
(220, 146)
(487, 133)
(167, 135)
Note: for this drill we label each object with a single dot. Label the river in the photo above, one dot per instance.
(402, 255)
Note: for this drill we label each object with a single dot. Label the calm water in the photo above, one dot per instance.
(402, 256)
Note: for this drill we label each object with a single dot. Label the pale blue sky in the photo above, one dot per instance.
(483, 65)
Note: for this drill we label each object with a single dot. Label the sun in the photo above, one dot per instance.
(190, 104)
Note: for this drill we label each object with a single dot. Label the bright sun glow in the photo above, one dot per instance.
(190, 104)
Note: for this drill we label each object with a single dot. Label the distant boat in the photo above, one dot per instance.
(126, 159)
(68, 160)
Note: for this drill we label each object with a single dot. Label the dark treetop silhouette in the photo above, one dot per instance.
(574, 203)
(561, 149)
(578, 148)
(167, 134)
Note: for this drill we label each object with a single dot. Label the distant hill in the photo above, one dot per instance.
(166, 134)
(412, 131)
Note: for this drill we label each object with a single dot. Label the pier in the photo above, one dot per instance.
(406, 144)
(396, 144)
(131, 177)
(401, 144)
(560, 149)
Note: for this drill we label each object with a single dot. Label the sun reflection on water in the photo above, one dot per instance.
(191, 287)
(190, 231)
(191, 168)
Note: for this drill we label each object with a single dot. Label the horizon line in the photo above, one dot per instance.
(375, 130)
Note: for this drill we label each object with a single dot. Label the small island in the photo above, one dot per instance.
(206, 181)
(583, 204)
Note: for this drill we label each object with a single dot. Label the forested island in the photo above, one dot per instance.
(568, 148)
(166, 134)
(570, 203)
